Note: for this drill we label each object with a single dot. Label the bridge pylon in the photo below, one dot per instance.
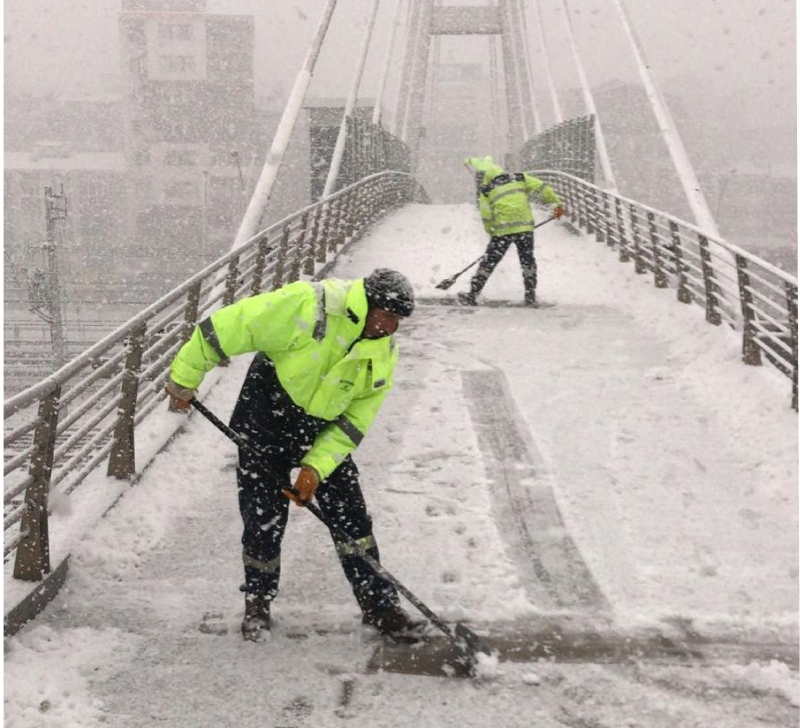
(426, 19)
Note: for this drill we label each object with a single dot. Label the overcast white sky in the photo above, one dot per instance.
(52, 46)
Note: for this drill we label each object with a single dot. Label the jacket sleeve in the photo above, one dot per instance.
(267, 322)
(539, 189)
(344, 434)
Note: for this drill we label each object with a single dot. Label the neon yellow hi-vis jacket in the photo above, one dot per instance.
(310, 331)
(503, 198)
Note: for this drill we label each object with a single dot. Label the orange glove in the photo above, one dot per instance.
(559, 211)
(179, 397)
(305, 485)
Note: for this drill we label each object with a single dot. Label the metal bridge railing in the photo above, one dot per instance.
(732, 285)
(570, 147)
(60, 430)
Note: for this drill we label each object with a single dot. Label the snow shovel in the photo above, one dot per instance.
(467, 644)
(448, 282)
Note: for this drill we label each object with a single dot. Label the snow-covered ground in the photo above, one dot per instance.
(608, 463)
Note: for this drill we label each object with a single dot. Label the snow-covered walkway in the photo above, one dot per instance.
(605, 470)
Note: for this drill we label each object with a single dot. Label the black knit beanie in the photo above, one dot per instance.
(390, 290)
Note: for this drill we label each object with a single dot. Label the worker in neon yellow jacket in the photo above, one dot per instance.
(503, 200)
(325, 357)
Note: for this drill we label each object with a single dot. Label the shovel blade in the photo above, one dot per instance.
(468, 647)
(445, 284)
(455, 656)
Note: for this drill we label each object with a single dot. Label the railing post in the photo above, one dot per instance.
(607, 221)
(658, 264)
(188, 326)
(791, 307)
(639, 265)
(624, 257)
(377, 206)
(33, 551)
(599, 236)
(192, 308)
(583, 212)
(382, 201)
(308, 267)
(398, 192)
(572, 211)
(713, 316)
(122, 460)
(571, 146)
(326, 211)
(751, 353)
(589, 201)
(588, 148)
(283, 253)
(373, 202)
(684, 294)
(297, 250)
(409, 191)
(344, 223)
(230, 282)
(394, 193)
(338, 231)
(349, 225)
(360, 221)
(261, 264)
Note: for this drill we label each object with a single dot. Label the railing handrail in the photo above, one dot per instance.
(731, 247)
(50, 383)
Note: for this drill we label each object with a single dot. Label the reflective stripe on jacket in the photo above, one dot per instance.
(311, 331)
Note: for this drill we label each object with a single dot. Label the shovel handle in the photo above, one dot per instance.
(220, 425)
(378, 568)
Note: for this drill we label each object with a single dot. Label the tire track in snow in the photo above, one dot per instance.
(549, 561)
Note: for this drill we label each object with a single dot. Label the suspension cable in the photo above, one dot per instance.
(602, 149)
(559, 116)
(376, 113)
(266, 181)
(338, 151)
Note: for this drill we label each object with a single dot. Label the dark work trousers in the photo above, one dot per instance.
(283, 432)
(498, 245)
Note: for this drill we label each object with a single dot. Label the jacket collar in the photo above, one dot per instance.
(356, 305)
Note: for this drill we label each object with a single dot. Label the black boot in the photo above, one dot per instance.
(256, 623)
(467, 299)
(391, 620)
(530, 298)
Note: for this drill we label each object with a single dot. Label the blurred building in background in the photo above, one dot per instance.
(155, 181)
(189, 123)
